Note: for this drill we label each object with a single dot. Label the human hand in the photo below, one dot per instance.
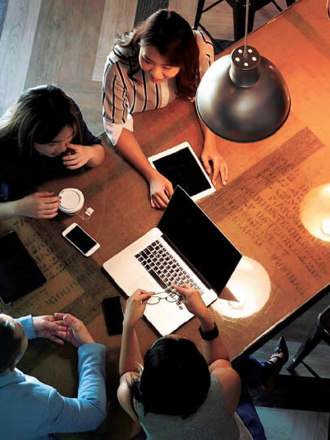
(75, 330)
(135, 306)
(210, 154)
(161, 190)
(38, 205)
(47, 327)
(191, 298)
(77, 156)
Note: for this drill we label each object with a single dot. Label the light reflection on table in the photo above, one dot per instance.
(315, 212)
(250, 285)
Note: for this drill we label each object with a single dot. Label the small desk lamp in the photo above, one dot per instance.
(243, 97)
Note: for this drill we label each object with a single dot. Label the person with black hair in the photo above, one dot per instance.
(175, 392)
(42, 136)
(149, 67)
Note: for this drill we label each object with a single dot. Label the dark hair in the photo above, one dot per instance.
(173, 37)
(39, 115)
(9, 343)
(175, 379)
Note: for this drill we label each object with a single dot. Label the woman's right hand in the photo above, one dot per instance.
(38, 205)
(135, 306)
(161, 190)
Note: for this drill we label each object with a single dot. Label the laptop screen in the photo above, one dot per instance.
(199, 240)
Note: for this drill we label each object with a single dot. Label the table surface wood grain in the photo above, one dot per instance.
(260, 210)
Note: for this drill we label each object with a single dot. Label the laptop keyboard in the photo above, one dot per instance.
(163, 267)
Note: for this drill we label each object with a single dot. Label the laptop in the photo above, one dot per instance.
(186, 247)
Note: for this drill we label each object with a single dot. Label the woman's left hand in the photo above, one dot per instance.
(135, 306)
(77, 156)
(214, 163)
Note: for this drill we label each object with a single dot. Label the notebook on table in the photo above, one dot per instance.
(182, 167)
(187, 238)
(19, 274)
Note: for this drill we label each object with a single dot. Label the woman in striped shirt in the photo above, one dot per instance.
(148, 68)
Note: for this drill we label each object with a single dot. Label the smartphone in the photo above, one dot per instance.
(113, 315)
(80, 239)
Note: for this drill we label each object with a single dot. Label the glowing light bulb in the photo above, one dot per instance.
(325, 226)
(315, 212)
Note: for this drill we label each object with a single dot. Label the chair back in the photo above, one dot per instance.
(323, 323)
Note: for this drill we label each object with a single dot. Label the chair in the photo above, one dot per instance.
(320, 331)
(238, 7)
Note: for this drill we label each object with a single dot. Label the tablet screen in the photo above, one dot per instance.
(182, 168)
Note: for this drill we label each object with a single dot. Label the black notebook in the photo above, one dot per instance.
(19, 273)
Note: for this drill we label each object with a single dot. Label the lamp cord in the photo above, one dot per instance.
(246, 26)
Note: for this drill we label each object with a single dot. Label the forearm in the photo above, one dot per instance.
(88, 409)
(97, 155)
(130, 354)
(210, 138)
(214, 349)
(91, 368)
(9, 209)
(130, 149)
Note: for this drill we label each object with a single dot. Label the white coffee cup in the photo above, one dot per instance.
(71, 200)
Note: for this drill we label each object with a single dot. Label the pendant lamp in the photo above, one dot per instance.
(242, 97)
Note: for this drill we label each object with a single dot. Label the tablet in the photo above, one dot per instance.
(19, 273)
(182, 167)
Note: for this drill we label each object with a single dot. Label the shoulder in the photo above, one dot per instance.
(121, 64)
(229, 381)
(125, 56)
(203, 41)
(124, 393)
(31, 386)
(206, 51)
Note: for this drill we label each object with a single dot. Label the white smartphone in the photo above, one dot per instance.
(80, 239)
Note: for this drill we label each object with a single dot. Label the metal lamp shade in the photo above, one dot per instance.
(243, 97)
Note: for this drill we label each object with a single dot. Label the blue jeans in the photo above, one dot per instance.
(252, 373)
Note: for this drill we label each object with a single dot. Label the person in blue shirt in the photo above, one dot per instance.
(32, 410)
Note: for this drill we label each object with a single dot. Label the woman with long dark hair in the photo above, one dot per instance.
(43, 135)
(158, 61)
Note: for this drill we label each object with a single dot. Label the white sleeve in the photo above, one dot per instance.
(113, 131)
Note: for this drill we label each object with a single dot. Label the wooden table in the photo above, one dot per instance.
(259, 210)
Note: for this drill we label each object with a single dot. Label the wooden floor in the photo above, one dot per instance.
(66, 42)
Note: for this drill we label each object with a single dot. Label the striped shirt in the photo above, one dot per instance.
(122, 96)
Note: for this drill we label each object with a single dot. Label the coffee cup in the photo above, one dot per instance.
(71, 201)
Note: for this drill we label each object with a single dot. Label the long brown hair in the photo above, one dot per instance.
(38, 116)
(173, 37)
